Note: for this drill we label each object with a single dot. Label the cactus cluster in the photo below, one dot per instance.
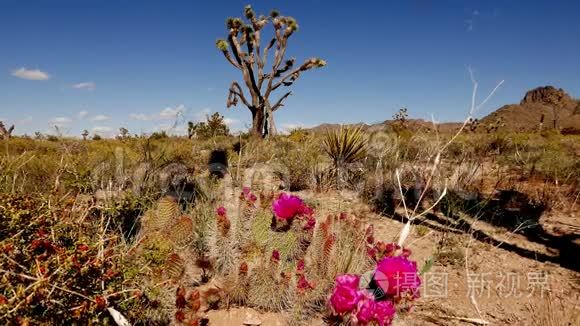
(272, 255)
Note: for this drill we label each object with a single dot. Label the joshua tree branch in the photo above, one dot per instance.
(235, 47)
(279, 103)
(235, 93)
(230, 59)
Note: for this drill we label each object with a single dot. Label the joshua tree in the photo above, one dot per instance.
(5, 133)
(251, 60)
(400, 119)
(85, 134)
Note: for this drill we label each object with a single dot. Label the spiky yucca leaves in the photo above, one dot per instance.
(346, 147)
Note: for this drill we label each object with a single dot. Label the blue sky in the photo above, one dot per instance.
(100, 65)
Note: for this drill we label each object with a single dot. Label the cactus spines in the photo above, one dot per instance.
(165, 213)
(182, 232)
(237, 290)
(174, 266)
(244, 51)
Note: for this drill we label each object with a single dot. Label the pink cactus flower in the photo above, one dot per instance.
(369, 310)
(300, 267)
(303, 284)
(384, 313)
(345, 296)
(397, 275)
(287, 207)
(248, 195)
(366, 308)
(275, 256)
(310, 224)
(221, 211)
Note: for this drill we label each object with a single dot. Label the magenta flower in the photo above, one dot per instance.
(310, 224)
(303, 284)
(345, 296)
(287, 207)
(366, 308)
(275, 256)
(300, 267)
(397, 275)
(384, 313)
(221, 211)
(247, 195)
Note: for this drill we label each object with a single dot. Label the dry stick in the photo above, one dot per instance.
(28, 277)
(472, 294)
(407, 228)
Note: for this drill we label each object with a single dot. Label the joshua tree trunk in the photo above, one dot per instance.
(243, 50)
(5, 133)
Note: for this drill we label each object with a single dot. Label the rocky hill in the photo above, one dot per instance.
(543, 107)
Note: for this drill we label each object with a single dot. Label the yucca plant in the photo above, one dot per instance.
(346, 147)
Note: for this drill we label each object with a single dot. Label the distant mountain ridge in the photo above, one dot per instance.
(549, 106)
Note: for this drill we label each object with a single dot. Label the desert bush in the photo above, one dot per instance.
(212, 127)
(295, 166)
(298, 135)
(56, 270)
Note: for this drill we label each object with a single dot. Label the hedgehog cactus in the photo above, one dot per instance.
(243, 50)
(163, 216)
(174, 266)
(182, 231)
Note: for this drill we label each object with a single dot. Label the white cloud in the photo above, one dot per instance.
(102, 130)
(100, 117)
(30, 74)
(229, 121)
(172, 113)
(85, 85)
(168, 113)
(141, 117)
(83, 114)
(60, 121)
